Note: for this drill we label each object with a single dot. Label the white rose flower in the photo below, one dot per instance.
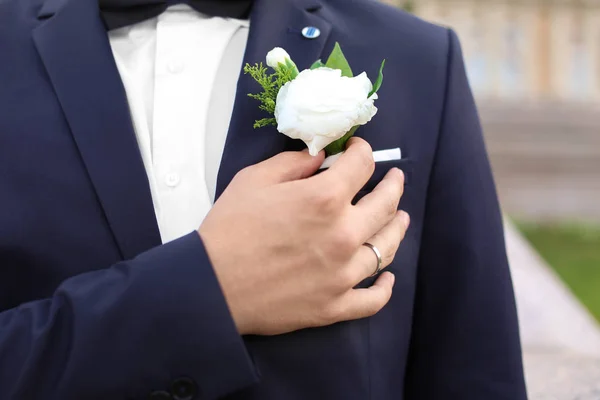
(277, 56)
(320, 106)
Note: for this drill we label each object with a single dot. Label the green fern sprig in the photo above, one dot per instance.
(270, 83)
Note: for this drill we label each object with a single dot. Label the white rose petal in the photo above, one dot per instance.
(277, 56)
(320, 106)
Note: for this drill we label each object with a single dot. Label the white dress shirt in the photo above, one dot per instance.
(180, 72)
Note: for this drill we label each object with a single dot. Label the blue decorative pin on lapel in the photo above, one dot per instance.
(311, 32)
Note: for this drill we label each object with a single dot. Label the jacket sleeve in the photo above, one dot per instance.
(125, 332)
(465, 339)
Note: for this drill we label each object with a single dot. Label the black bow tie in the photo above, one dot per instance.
(119, 13)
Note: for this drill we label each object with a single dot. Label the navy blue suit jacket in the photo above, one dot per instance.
(92, 306)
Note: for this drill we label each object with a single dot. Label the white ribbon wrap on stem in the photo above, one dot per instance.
(378, 156)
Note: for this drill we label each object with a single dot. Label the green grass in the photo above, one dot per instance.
(574, 253)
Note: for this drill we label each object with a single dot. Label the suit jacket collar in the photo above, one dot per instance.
(74, 48)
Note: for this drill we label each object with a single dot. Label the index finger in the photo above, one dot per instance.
(353, 169)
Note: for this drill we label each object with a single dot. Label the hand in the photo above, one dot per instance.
(287, 246)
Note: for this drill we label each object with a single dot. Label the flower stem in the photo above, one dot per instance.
(340, 145)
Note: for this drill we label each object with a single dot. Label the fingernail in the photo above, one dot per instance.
(392, 279)
(392, 171)
(405, 219)
(401, 173)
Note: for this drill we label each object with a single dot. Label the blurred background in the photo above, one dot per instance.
(534, 67)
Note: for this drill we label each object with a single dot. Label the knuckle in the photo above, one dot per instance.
(365, 157)
(288, 157)
(344, 240)
(327, 200)
(353, 239)
(389, 256)
(243, 174)
(339, 244)
(390, 205)
(391, 249)
(363, 145)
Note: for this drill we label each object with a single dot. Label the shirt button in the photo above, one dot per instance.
(184, 389)
(175, 66)
(172, 179)
(160, 395)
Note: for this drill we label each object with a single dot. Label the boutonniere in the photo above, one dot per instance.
(323, 105)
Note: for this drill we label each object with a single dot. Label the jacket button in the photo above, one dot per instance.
(184, 389)
(160, 395)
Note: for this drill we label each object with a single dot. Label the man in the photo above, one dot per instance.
(118, 128)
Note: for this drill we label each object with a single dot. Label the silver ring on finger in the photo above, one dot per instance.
(378, 255)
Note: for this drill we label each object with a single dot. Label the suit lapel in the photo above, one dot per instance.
(273, 23)
(74, 48)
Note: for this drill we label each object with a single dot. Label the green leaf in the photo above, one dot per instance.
(337, 60)
(270, 84)
(265, 122)
(317, 64)
(340, 145)
(379, 80)
(292, 69)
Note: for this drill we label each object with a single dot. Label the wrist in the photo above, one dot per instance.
(235, 308)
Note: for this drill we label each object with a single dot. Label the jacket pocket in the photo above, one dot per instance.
(382, 168)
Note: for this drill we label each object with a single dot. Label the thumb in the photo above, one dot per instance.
(288, 166)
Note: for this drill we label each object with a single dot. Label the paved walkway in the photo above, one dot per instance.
(553, 375)
(561, 340)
